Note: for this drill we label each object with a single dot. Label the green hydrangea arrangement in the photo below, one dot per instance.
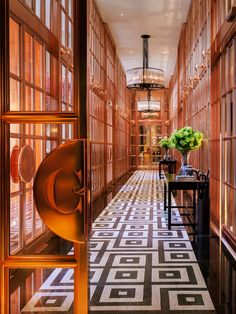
(186, 139)
(165, 143)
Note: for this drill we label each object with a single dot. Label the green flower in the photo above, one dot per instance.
(186, 139)
(165, 143)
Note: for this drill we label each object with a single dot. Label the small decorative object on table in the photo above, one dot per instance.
(185, 178)
(186, 140)
(166, 144)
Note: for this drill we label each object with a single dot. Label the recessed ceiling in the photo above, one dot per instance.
(162, 19)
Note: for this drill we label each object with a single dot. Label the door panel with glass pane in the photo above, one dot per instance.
(25, 223)
(41, 83)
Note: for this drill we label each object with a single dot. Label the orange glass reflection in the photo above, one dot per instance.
(28, 53)
(26, 226)
(14, 48)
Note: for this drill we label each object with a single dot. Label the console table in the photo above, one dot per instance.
(170, 185)
(171, 165)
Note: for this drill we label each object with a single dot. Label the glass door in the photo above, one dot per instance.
(39, 113)
(148, 143)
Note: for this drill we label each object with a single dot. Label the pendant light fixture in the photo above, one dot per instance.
(145, 78)
(149, 105)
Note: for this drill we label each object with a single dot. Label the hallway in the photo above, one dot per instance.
(136, 264)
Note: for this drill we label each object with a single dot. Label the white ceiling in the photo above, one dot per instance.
(162, 19)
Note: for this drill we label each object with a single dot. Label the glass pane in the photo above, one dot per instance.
(63, 83)
(70, 88)
(15, 224)
(14, 48)
(38, 8)
(29, 106)
(48, 71)
(70, 8)
(47, 13)
(70, 35)
(29, 3)
(29, 145)
(63, 3)
(28, 57)
(14, 95)
(63, 28)
(38, 101)
(29, 224)
(48, 290)
(38, 63)
(54, 77)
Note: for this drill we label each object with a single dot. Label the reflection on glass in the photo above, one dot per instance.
(29, 3)
(40, 70)
(14, 95)
(63, 28)
(29, 100)
(38, 8)
(48, 72)
(41, 290)
(63, 3)
(14, 224)
(14, 48)
(28, 216)
(25, 223)
(38, 63)
(69, 35)
(28, 57)
(48, 13)
(70, 88)
(54, 76)
(38, 100)
(70, 8)
(63, 83)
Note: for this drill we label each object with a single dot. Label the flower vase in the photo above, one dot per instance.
(166, 155)
(185, 166)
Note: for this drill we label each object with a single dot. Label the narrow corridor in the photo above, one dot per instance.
(137, 265)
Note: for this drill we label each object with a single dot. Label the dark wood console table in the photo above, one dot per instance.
(170, 185)
(171, 166)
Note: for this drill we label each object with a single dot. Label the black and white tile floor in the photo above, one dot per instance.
(136, 264)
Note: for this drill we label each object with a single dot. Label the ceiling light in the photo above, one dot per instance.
(149, 105)
(122, 14)
(145, 78)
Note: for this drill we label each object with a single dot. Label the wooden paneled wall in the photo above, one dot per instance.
(202, 95)
(108, 106)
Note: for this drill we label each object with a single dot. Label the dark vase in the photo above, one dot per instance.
(185, 166)
(166, 155)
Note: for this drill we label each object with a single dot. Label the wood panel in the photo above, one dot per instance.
(108, 106)
(202, 95)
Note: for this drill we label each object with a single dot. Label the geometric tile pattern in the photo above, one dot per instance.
(137, 265)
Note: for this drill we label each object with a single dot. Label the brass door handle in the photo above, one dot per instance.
(60, 192)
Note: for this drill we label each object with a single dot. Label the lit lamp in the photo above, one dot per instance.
(149, 105)
(145, 78)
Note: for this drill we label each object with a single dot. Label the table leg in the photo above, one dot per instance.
(164, 196)
(169, 208)
(194, 204)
